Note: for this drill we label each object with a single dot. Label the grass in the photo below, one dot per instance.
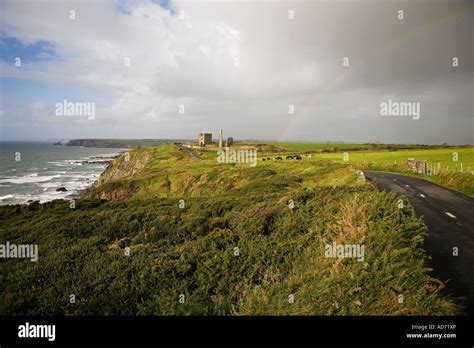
(171, 173)
(307, 147)
(191, 251)
(449, 176)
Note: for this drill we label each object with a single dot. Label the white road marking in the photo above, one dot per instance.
(422, 195)
(450, 215)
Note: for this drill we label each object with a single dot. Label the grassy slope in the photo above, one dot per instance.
(191, 251)
(172, 173)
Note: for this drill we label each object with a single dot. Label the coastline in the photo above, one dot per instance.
(47, 172)
(82, 193)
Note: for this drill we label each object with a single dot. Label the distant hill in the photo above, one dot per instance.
(118, 143)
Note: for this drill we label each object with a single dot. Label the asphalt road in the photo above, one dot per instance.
(188, 151)
(449, 216)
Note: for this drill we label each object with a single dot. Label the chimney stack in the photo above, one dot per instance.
(221, 137)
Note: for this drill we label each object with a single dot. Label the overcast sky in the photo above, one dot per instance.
(238, 65)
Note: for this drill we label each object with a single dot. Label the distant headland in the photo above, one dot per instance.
(118, 143)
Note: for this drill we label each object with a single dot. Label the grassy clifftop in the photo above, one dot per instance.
(189, 236)
(166, 171)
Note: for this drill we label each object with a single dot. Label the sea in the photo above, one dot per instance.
(34, 171)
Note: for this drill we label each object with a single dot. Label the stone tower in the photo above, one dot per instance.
(204, 138)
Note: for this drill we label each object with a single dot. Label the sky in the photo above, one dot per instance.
(269, 70)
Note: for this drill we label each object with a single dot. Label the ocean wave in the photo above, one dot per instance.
(31, 178)
(42, 197)
(3, 198)
(80, 162)
(106, 155)
(75, 174)
(58, 163)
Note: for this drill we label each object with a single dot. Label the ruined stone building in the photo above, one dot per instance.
(205, 138)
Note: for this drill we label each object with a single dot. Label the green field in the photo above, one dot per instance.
(433, 156)
(307, 147)
(458, 175)
(181, 219)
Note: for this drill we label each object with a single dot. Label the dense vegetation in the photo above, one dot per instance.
(236, 246)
